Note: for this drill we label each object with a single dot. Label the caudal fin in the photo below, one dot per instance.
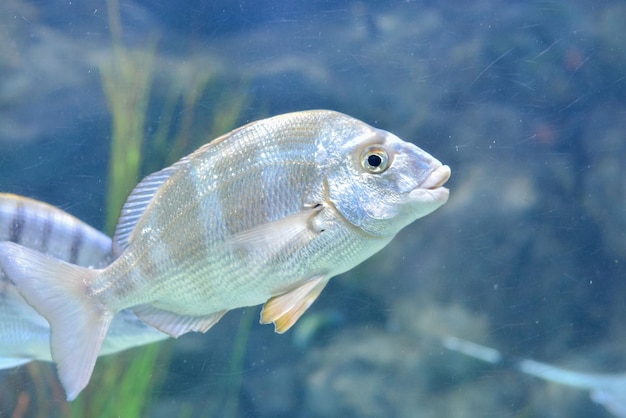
(58, 291)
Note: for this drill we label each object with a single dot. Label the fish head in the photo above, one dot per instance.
(381, 183)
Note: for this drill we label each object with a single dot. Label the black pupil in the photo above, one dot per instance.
(374, 160)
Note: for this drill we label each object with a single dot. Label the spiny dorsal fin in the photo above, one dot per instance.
(136, 204)
(284, 310)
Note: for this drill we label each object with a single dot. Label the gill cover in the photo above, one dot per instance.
(372, 180)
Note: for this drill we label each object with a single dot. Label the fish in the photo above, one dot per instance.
(265, 214)
(606, 389)
(24, 334)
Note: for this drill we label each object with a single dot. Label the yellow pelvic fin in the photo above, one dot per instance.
(285, 310)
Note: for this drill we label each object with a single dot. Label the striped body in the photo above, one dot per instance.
(49, 230)
(24, 334)
(266, 214)
(185, 252)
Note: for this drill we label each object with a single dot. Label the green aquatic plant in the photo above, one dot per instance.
(126, 79)
(126, 381)
(230, 391)
(197, 124)
(123, 384)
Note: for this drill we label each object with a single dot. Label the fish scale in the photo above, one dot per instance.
(243, 213)
(266, 214)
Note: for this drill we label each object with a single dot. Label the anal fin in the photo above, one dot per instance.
(175, 324)
(285, 310)
(9, 362)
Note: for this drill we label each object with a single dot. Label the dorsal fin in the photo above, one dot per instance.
(136, 204)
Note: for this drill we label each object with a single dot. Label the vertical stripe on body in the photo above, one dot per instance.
(75, 246)
(46, 232)
(17, 223)
(50, 230)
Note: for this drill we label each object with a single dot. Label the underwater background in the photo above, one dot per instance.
(524, 100)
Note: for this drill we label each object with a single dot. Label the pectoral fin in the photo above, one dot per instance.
(284, 310)
(273, 237)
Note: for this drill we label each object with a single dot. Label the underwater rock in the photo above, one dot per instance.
(375, 373)
(604, 188)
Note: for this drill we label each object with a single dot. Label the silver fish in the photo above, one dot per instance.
(24, 334)
(265, 214)
(608, 390)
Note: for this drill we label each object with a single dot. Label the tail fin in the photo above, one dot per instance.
(58, 291)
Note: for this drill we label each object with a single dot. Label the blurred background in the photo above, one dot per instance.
(525, 101)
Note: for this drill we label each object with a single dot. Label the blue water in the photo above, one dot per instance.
(525, 101)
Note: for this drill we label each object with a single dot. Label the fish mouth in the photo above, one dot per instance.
(436, 178)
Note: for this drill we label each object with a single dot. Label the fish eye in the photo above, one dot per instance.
(374, 159)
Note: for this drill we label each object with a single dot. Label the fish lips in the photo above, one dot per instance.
(431, 188)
